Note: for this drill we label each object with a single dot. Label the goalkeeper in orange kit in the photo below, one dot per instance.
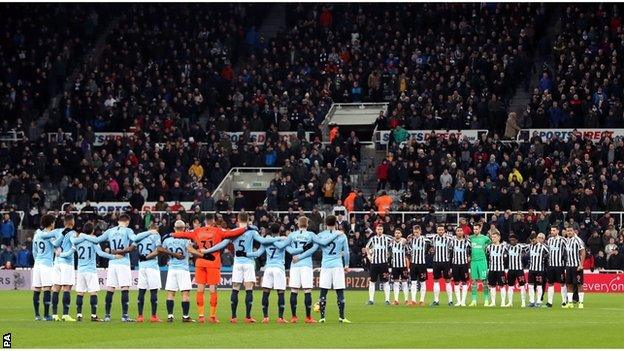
(208, 268)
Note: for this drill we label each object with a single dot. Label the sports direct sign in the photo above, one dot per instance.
(122, 206)
(101, 138)
(259, 138)
(565, 134)
(383, 136)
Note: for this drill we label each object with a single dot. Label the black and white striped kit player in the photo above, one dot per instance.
(537, 256)
(515, 272)
(574, 250)
(441, 264)
(556, 259)
(461, 258)
(496, 264)
(399, 263)
(417, 248)
(378, 250)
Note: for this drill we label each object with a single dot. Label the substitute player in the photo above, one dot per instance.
(64, 274)
(537, 254)
(515, 272)
(43, 271)
(178, 274)
(334, 264)
(378, 249)
(301, 269)
(208, 268)
(149, 272)
(274, 272)
(461, 257)
(496, 274)
(575, 250)
(478, 263)
(418, 245)
(441, 265)
(400, 266)
(555, 271)
(119, 274)
(87, 279)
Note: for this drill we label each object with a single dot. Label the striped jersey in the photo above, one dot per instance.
(537, 252)
(461, 251)
(514, 256)
(399, 253)
(556, 251)
(379, 246)
(496, 257)
(574, 245)
(418, 249)
(441, 246)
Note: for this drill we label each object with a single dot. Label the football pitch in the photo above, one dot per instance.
(598, 325)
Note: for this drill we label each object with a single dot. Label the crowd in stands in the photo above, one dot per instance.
(179, 78)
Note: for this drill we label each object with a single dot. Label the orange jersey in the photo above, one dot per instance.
(207, 237)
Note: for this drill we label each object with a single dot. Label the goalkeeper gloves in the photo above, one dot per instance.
(209, 257)
(241, 253)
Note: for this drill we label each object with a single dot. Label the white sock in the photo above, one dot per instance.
(371, 291)
(564, 292)
(493, 296)
(405, 291)
(510, 292)
(551, 293)
(436, 291)
(414, 287)
(570, 298)
(531, 293)
(423, 291)
(523, 294)
(503, 296)
(539, 293)
(464, 294)
(449, 291)
(581, 296)
(386, 287)
(395, 290)
(457, 292)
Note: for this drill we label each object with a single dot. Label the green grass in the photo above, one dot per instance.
(599, 325)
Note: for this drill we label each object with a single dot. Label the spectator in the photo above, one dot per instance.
(512, 127)
(383, 203)
(7, 255)
(23, 257)
(7, 230)
(615, 261)
(599, 261)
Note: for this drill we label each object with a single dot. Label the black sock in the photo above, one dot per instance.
(36, 295)
(125, 302)
(79, 304)
(66, 302)
(46, 303)
(108, 302)
(154, 300)
(248, 302)
(170, 307)
(234, 302)
(141, 301)
(281, 304)
(323, 302)
(55, 300)
(293, 303)
(185, 308)
(93, 300)
(341, 302)
(308, 304)
(265, 304)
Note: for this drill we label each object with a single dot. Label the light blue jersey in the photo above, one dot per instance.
(42, 249)
(275, 253)
(87, 252)
(245, 243)
(178, 246)
(63, 240)
(146, 246)
(335, 248)
(298, 239)
(120, 238)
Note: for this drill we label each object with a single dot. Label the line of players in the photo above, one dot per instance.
(56, 251)
(466, 259)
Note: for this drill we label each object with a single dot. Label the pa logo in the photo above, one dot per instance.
(6, 341)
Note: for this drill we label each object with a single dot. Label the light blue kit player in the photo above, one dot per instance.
(334, 264)
(64, 273)
(149, 272)
(87, 279)
(301, 269)
(43, 270)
